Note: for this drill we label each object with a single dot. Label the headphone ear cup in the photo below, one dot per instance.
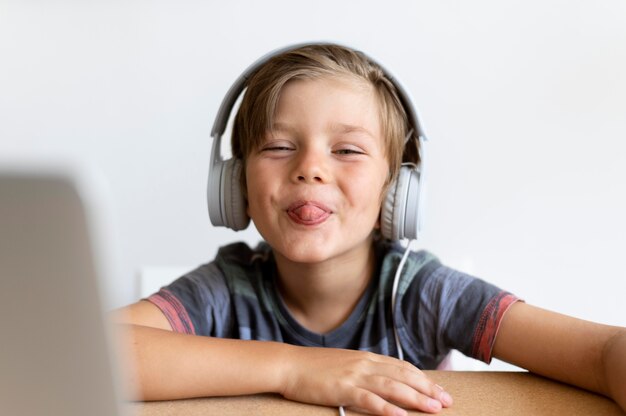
(234, 203)
(400, 210)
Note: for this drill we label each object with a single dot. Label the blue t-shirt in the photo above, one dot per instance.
(437, 308)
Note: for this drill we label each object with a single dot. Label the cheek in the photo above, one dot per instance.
(367, 189)
(258, 184)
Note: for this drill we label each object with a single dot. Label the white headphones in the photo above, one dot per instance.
(401, 211)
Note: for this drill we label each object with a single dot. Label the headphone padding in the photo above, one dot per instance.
(386, 211)
(234, 202)
(393, 209)
(214, 193)
(413, 203)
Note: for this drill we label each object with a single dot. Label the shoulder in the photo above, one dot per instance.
(418, 267)
(200, 301)
(392, 252)
(214, 280)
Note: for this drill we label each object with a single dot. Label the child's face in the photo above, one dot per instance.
(315, 184)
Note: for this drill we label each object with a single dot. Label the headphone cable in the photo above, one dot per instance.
(394, 294)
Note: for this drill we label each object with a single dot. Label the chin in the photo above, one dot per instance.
(305, 253)
(318, 252)
(314, 247)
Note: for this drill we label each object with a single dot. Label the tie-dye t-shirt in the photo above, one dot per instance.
(437, 308)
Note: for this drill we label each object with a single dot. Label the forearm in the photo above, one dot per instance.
(169, 365)
(614, 364)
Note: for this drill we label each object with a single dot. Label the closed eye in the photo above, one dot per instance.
(276, 148)
(348, 152)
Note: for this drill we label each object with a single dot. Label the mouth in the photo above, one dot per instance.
(308, 212)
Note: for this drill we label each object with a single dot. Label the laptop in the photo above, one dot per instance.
(55, 346)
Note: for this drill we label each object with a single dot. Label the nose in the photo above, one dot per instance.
(311, 166)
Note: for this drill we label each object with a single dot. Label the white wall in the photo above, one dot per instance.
(524, 102)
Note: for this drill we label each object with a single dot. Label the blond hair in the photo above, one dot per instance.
(256, 112)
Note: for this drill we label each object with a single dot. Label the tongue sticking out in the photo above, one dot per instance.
(309, 214)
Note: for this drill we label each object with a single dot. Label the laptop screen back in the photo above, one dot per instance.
(54, 349)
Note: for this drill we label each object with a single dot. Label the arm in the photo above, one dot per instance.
(170, 365)
(582, 353)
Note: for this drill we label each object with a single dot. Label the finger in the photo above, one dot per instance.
(372, 403)
(406, 373)
(429, 388)
(402, 394)
(418, 381)
(443, 396)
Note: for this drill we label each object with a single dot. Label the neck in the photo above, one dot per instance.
(321, 296)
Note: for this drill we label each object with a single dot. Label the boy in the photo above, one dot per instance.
(321, 137)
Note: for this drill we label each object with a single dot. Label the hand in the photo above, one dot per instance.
(375, 383)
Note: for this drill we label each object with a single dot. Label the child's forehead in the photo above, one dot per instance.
(342, 95)
(348, 104)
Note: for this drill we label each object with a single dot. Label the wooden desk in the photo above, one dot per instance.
(474, 393)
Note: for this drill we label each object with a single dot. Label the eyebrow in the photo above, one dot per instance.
(350, 128)
(342, 128)
(278, 126)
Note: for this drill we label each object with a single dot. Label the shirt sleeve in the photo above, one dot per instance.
(197, 302)
(455, 311)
